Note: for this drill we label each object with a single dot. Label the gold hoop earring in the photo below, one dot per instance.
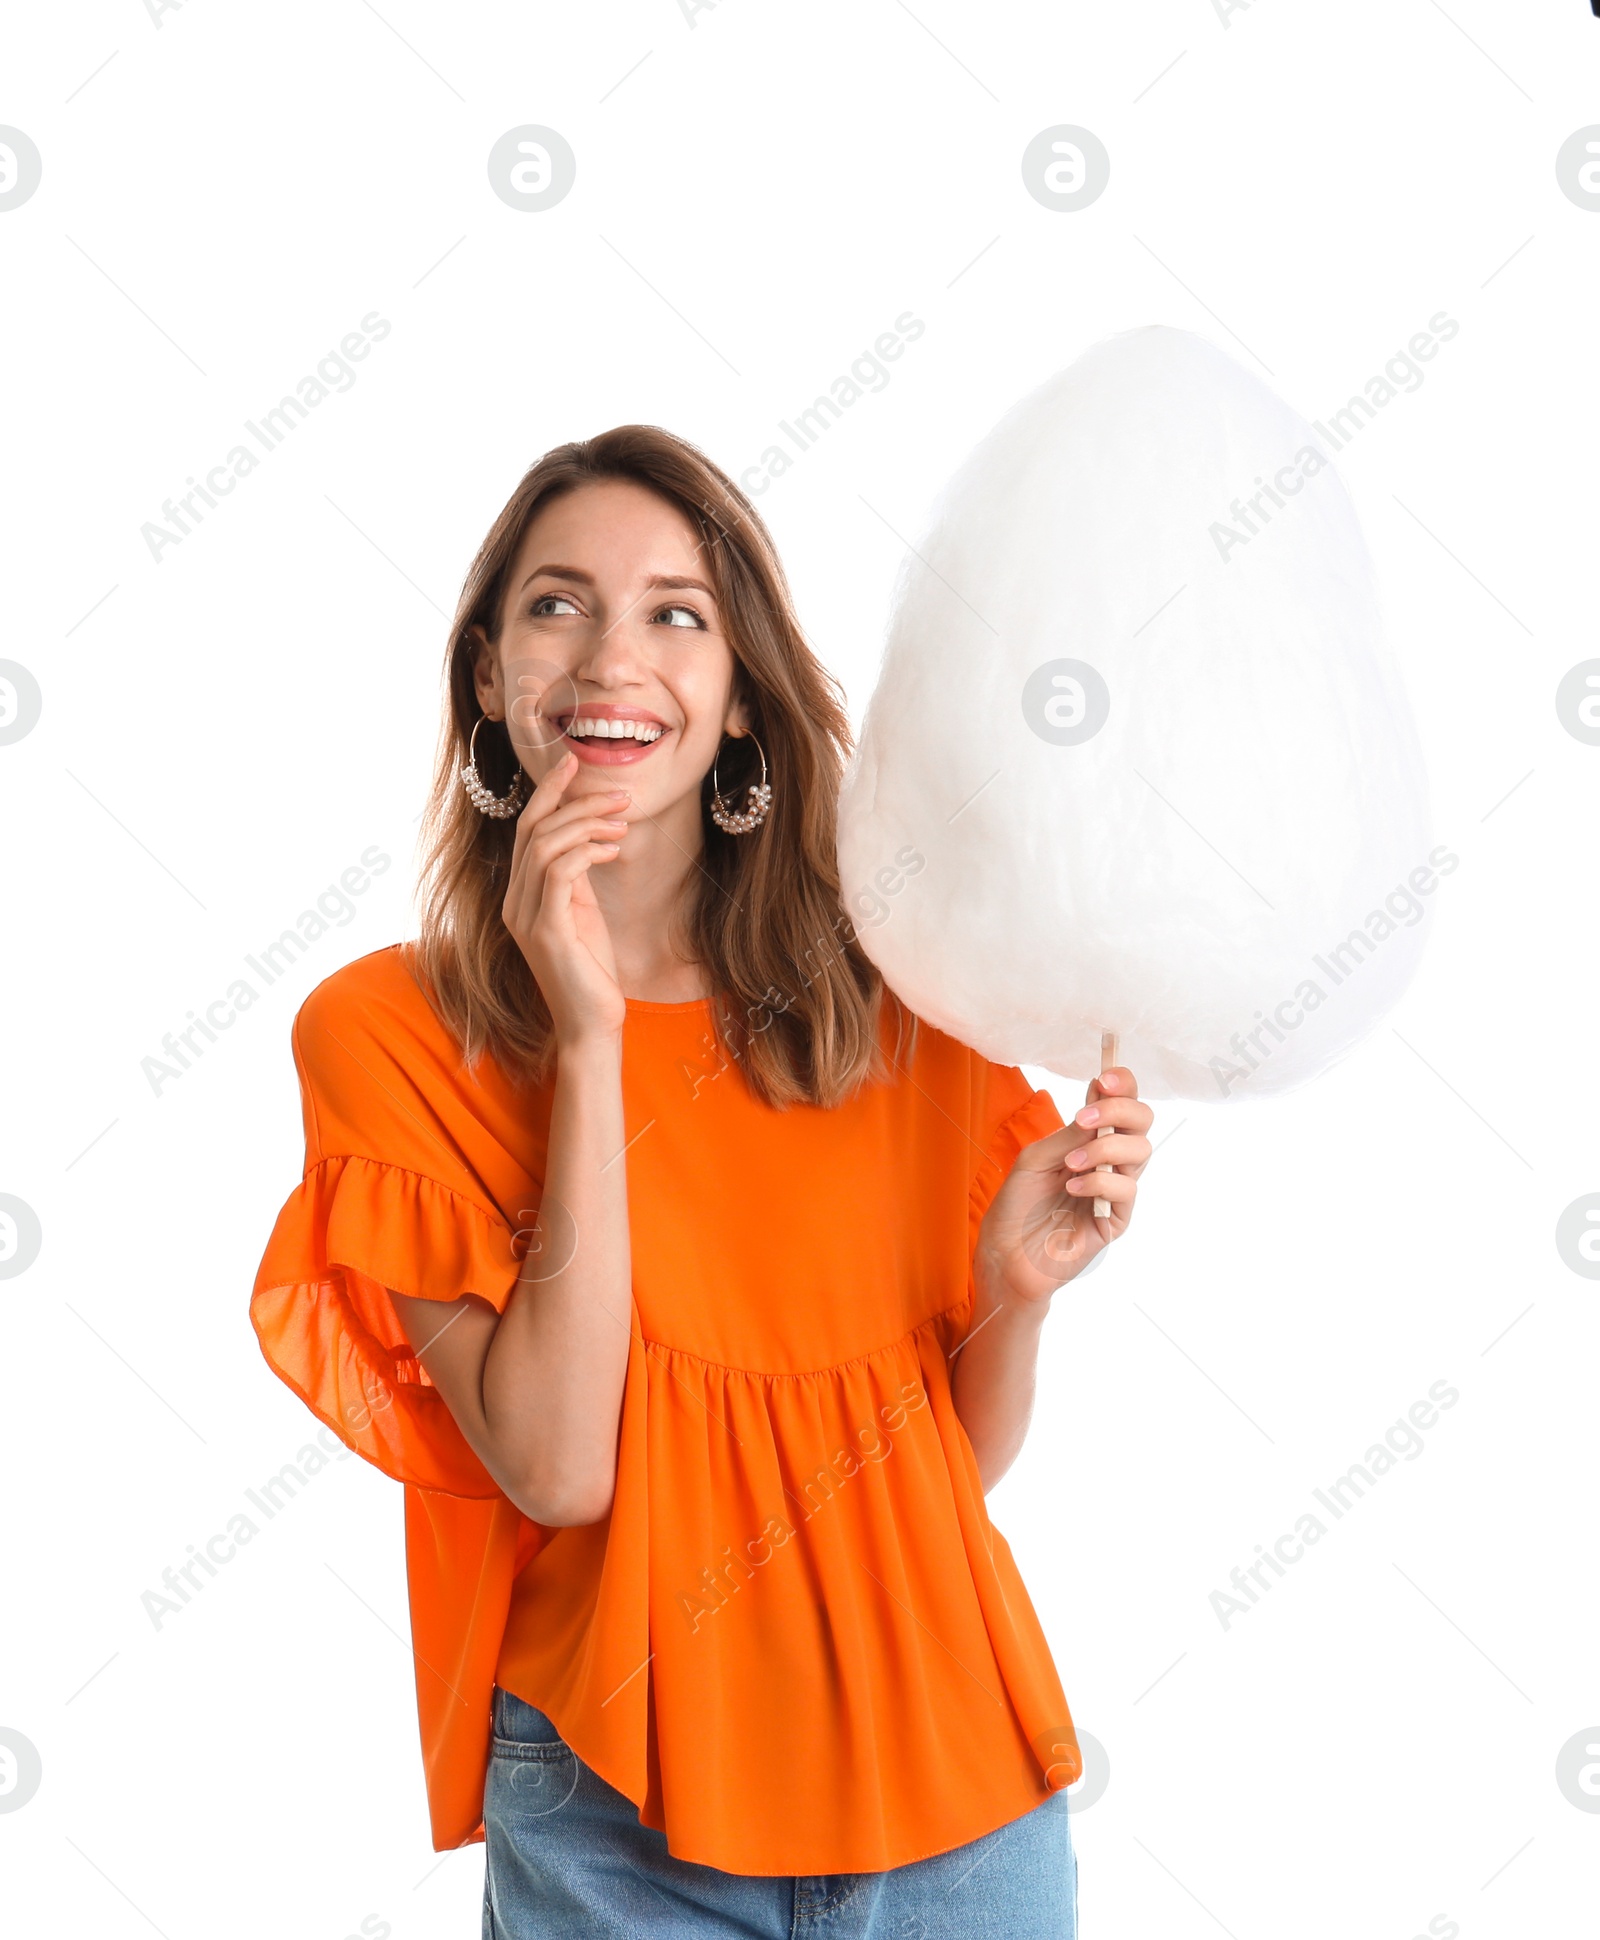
(498, 807)
(758, 799)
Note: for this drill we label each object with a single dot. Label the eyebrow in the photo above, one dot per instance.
(664, 581)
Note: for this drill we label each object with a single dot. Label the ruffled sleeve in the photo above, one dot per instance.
(385, 1202)
(1007, 1113)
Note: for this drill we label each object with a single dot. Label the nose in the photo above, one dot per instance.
(610, 652)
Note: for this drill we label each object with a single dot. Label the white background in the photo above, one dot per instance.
(760, 192)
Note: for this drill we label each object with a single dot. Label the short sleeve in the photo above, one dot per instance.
(1007, 1113)
(371, 1213)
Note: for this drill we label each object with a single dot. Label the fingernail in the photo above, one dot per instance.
(1077, 1159)
(1088, 1116)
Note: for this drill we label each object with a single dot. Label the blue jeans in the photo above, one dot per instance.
(568, 1856)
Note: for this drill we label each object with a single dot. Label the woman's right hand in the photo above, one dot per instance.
(551, 910)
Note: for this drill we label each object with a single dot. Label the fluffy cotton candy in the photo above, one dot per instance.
(1232, 869)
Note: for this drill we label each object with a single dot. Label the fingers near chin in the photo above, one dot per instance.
(544, 800)
(571, 863)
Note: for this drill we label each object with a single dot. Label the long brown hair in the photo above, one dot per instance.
(797, 1000)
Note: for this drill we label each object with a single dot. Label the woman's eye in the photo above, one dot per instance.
(693, 619)
(542, 604)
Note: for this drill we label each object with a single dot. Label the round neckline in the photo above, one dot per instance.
(645, 1003)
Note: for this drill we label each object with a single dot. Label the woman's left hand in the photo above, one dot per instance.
(1040, 1229)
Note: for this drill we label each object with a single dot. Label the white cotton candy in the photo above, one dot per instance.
(1233, 871)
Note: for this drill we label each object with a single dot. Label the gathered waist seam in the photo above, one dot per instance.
(809, 1373)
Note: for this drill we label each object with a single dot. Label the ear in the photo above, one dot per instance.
(486, 675)
(736, 722)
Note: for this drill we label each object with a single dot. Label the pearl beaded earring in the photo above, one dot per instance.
(758, 799)
(500, 807)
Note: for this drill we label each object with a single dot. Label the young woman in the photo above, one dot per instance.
(692, 1287)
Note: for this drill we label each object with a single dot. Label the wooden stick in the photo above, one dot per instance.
(1108, 1057)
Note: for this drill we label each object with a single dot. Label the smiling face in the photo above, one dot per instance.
(611, 645)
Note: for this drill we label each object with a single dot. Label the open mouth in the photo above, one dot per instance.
(612, 738)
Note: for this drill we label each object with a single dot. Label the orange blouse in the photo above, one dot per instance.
(797, 1643)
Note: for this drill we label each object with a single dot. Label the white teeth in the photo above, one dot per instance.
(598, 727)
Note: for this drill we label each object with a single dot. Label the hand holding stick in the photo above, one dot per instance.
(1108, 1057)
